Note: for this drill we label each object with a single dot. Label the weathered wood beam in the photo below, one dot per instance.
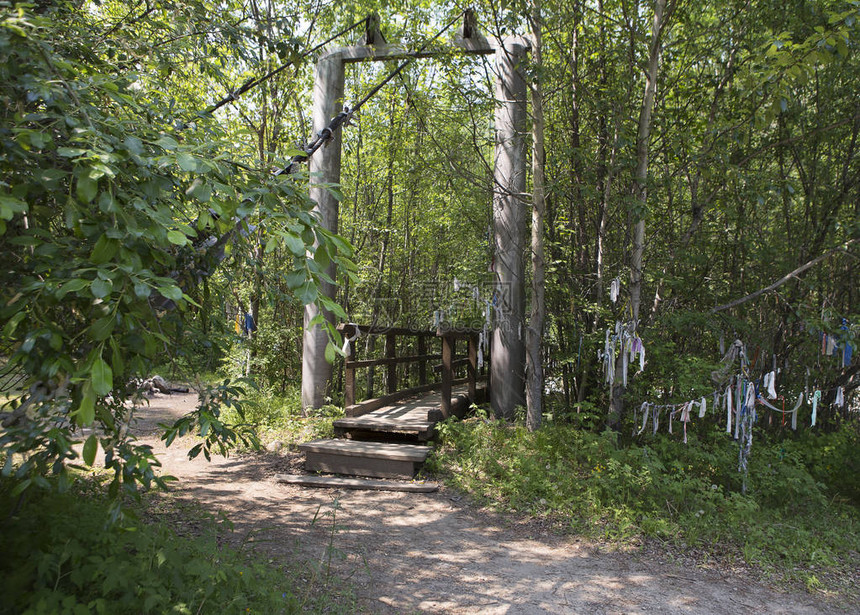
(507, 363)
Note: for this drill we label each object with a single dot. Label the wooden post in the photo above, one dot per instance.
(448, 343)
(370, 350)
(422, 365)
(508, 360)
(472, 368)
(349, 377)
(323, 170)
(390, 353)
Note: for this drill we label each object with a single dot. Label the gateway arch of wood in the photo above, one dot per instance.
(507, 360)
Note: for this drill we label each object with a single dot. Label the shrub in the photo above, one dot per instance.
(60, 555)
(660, 487)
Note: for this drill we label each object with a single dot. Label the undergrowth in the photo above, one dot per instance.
(279, 417)
(60, 555)
(798, 518)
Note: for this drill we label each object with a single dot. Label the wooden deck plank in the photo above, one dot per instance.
(360, 466)
(414, 453)
(417, 414)
(356, 483)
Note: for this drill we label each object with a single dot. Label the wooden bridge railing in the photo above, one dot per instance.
(449, 363)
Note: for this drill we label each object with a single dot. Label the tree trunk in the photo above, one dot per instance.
(640, 194)
(534, 334)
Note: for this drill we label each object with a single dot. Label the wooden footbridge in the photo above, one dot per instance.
(388, 437)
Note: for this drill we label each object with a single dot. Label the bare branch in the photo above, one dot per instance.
(783, 279)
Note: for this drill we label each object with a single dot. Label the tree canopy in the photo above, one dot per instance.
(136, 225)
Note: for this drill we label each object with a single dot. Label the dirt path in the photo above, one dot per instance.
(435, 553)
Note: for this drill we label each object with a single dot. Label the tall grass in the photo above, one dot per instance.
(798, 518)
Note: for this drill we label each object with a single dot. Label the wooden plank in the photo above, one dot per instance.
(454, 364)
(416, 427)
(415, 453)
(393, 360)
(364, 53)
(382, 330)
(381, 434)
(445, 330)
(386, 400)
(369, 432)
(360, 466)
(370, 484)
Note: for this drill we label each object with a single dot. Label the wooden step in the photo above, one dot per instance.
(420, 430)
(377, 459)
(356, 483)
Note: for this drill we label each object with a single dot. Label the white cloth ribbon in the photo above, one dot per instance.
(347, 340)
(729, 409)
(771, 385)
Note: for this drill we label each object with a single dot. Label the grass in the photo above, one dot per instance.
(797, 523)
(60, 555)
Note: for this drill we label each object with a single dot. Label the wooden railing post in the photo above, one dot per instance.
(349, 377)
(448, 343)
(472, 368)
(390, 353)
(422, 365)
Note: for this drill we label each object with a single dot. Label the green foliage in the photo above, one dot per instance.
(61, 556)
(686, 494)
(112, 210)
(207, 422)
(831, 458)
(280, 417)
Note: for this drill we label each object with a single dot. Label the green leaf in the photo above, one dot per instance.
(271, 244)
(201, 191)
(24, 240)
(87, 189)
(104, 250)
(330, 353)
(142, 290)
(134, 145)
(21, 487)
(307, 292)
(102, 377)
(72, 286)
(321, 256)
(173, 293)
(187, 162)
(13, 323)
(49, 176)
(116, 357)
(102, 328)
(294, 244)
(294, 279)
(177, 237)
(100, 288)
(107, 203)
(71, 152)
(9, 206)
(91, 447)
(168, 143)
(333, 307)
(86, 412)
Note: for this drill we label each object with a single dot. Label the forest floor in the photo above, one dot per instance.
(438, 553)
